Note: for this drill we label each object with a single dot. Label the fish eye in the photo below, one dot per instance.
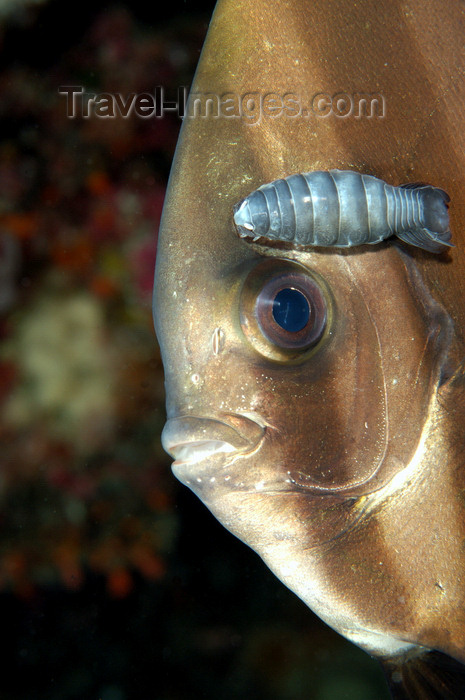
(284, 309)
(290, 311)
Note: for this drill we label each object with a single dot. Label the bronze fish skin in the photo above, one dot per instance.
(340, 464)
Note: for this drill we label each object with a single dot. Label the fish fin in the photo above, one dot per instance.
(426, 239)
(430, 675)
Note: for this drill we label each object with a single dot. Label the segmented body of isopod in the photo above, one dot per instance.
(343, 208)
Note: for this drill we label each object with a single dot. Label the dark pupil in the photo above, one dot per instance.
(291, 310)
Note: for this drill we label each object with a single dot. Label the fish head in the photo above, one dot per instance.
(266, 414)
(299, 383)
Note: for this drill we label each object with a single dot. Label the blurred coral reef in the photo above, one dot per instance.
(81, 390)
(16, 7)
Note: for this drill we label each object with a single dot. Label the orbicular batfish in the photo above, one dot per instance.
(315, 396)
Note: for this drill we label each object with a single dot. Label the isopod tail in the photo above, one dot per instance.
(433, 232)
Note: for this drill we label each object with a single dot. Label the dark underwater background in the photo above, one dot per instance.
(115, 582)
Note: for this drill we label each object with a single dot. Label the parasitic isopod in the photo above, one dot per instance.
(343, 208)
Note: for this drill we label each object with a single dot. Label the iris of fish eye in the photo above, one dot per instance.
(291, 310)
(284, 310)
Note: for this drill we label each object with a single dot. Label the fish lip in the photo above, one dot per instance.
(193, 453)
(196, 442)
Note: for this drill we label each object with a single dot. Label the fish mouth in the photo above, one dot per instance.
(198, 444)
(194, 452)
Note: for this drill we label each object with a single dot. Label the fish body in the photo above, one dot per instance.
(342, 209)
(316, 397)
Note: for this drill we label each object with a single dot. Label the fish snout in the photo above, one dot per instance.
(192, 440)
